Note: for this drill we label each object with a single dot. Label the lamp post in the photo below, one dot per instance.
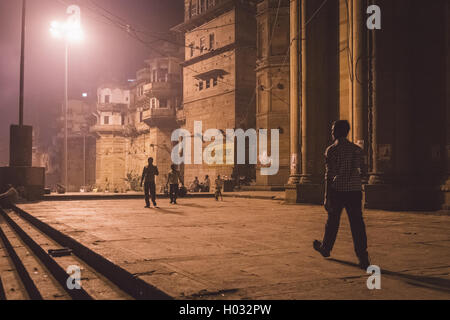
(71, 32)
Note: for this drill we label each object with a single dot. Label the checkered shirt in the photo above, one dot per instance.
(344, 166)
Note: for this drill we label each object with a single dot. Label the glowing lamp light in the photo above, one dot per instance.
(71, 29)
(84, 95)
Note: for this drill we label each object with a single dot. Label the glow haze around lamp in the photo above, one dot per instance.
(71, 32)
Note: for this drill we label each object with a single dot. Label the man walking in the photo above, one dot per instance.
(344, 166)
(148, 176)
(173, 180)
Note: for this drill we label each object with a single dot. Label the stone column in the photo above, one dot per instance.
(307, 162)
(359, 73)
(292, 193)
(318, 94)
(295, 69)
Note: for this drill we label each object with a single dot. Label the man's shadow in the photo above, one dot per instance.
(167, 211)
(433, 283)
(193, 205)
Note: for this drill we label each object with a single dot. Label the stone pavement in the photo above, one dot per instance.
(257, 249)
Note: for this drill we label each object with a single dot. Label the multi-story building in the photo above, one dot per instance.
(80, 149)
(135, 122)
(112, 109)
(219, 73)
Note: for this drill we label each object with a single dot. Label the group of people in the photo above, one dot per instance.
(149, 173)
(196, 186)
(174, 179)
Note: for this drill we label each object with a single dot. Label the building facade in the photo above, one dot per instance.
(135, 122)
(81, 149)
(219, 75)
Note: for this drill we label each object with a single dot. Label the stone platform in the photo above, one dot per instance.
(244, 248)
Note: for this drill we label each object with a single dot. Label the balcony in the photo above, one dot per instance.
(112, 107)
(160, 117)
(162, 89)
(107, 128)
(143, 75)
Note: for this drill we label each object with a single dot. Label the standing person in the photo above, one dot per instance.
(173, 179)
(148, 176)
(344, 167)
(206, 184)
(196, 185)
(219, 184)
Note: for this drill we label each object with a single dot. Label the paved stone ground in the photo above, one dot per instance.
(258, 249)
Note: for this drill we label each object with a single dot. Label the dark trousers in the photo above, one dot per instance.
(150, 190)
(352, 202)
(173, 193)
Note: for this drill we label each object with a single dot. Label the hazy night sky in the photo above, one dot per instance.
(106, 53)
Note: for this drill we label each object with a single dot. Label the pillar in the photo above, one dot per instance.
(295, 70)
(359, 129)
(319, 94)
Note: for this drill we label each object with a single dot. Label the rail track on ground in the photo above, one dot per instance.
(38, 262)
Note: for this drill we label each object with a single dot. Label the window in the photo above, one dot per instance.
(210, 3)
(123, 120)
(106, 120)
(202, 44)
(214, 81)
(163, 75)
(163, 103)
(153, 103)
(107, 98)
(208, 83)
(141, 116)
(191, 46)
(200, 86)
(193, 8)
(211, 41)
(202, 6)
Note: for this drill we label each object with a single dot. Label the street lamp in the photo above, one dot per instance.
(71, 32)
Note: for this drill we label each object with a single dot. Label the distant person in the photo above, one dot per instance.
(195, 185)
(173, 180)
(219, 185)
(148, 176)
(344, 167)
(206, 186)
